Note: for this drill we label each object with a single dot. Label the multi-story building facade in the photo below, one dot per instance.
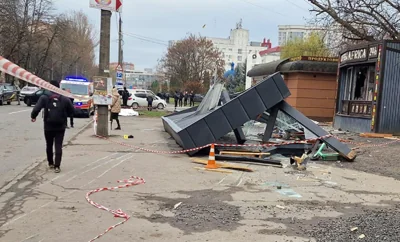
(291, 32)
(260, 57)
(237, 46)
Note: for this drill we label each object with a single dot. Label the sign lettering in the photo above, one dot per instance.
(373, 52)
(315, 58)
(354, 55)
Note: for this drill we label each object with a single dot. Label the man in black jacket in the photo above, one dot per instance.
(125, 97)
(56, 110)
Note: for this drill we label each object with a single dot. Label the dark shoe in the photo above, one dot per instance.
(67, 127)
(118, 128)
(57, 170)
(51, 166)
(72, 126)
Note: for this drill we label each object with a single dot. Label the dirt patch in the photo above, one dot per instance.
(374, 155)
(376, 223)
(203, 211)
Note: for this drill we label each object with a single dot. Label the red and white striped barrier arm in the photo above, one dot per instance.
(20, 73)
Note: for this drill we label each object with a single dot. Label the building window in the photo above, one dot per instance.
(239, 51)
(230, 49)
(239, 58)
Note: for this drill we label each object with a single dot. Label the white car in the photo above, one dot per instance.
(139, 99)
(27, 90)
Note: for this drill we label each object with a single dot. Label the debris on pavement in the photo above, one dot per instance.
(128, 113)
(223, 165)
(354, 229)
(177, 205)
(214, 170)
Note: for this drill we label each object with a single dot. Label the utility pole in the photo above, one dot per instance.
(120, 51)
(104, 69)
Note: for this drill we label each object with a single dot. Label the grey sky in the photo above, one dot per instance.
(164, 20)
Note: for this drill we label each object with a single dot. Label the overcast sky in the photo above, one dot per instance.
(159, 21)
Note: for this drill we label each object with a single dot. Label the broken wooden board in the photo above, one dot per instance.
(222, 165)
(375, 135)
(240, 153)
(214, 170)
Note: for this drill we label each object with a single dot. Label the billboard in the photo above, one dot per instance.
(110, 5)
(102, 90)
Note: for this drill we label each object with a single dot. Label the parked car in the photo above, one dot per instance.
(198, 98)
(27, 90)
(33, 98)
(138, 99)
(6, 93)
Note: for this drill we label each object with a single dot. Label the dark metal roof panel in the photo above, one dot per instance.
(309, 66)
(192, 131)
(266, 68)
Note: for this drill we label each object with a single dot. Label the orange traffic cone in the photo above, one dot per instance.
(211, 159)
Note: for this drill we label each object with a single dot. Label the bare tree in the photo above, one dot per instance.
(189, 60)
(360, 20)
(47, 45)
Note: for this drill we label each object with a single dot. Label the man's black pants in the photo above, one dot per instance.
(149, 106)
(56, 138)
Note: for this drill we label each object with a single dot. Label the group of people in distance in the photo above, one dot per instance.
(182, 98)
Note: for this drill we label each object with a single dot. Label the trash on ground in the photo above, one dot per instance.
(362, 236)
(222, 165)
(177, 205)
(281, 207)
(354, 229)
(128, 113)
(214, 170)
(289, 193)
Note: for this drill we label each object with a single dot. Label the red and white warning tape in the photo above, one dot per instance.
(216, 144)
(117, 213)
(20, 73)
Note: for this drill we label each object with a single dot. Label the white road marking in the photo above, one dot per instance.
(30, 237)
(20, 111)
(95, 167)
(70, 193)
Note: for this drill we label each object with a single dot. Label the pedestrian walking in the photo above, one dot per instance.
(167, 97)
(185, 98)
(150, 99)
(180, 99)
(176, 99)
(191, 99)
(125, 96)
(115, 108)
(56, 110)
(18, 93)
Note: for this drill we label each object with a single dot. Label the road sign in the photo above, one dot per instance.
(110, 5)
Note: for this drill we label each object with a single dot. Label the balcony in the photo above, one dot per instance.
(356, 108)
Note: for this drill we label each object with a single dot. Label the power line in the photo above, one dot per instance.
(145, 39)
(296, 5)
(267, 9)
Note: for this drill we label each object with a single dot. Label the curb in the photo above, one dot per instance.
(21, 175)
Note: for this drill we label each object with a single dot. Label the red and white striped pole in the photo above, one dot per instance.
(12, 69)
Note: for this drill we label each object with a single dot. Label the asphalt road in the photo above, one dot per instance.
(22, 142)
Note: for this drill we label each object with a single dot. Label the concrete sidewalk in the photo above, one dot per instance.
(44, 206)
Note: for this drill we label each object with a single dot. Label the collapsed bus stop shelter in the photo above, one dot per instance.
(192, 129)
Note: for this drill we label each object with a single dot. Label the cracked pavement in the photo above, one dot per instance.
(44, 206)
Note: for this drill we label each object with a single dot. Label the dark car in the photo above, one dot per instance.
(6, 93)
(33, 97)
(198, 98)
